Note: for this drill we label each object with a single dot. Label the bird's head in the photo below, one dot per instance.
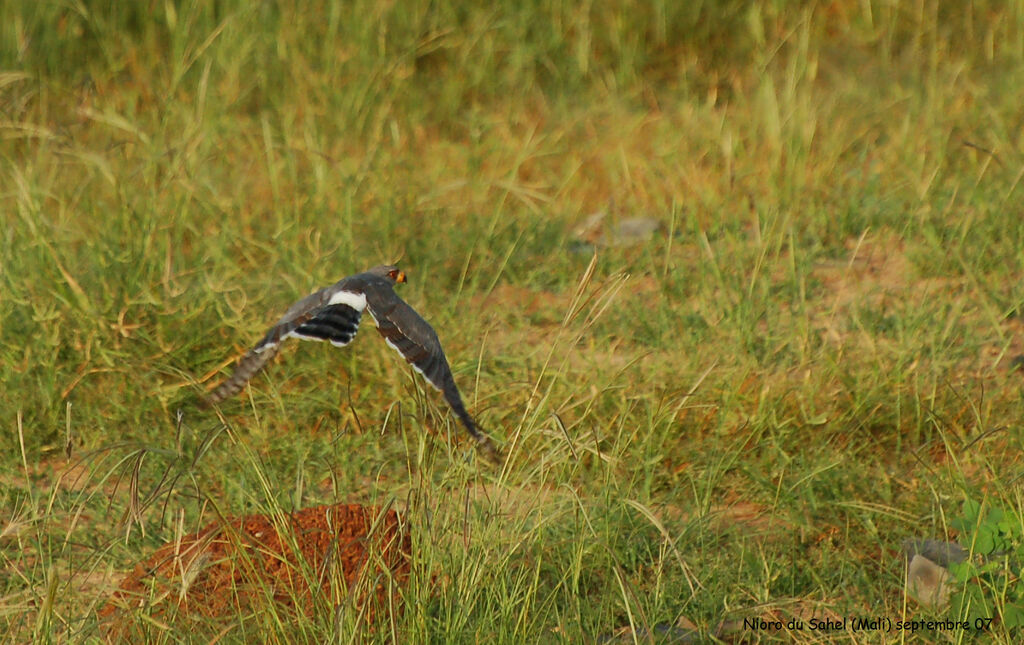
(390, 272)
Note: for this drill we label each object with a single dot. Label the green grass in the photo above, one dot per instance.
(741, 417)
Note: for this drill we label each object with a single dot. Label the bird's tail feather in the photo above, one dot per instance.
(250, 364)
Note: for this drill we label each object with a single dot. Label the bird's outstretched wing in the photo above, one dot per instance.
(410, 335)
(331, 314)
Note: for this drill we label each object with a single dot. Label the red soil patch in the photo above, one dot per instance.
(324, 554)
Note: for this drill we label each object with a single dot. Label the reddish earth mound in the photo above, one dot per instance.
(326, 555)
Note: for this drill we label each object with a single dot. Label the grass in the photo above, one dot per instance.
(740, 417)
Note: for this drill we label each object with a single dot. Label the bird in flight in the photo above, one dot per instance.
(333, 314)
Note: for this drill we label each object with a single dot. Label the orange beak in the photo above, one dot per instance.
(401, 277)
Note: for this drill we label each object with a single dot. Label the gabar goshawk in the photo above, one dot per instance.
(333, 314)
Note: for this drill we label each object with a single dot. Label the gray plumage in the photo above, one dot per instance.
(333, 314)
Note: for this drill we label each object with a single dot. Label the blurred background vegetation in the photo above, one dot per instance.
(821, 333)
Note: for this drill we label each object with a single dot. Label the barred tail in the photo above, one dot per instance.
(250, 364)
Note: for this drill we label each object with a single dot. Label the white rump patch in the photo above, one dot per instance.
(355, 300)
(263, 348)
